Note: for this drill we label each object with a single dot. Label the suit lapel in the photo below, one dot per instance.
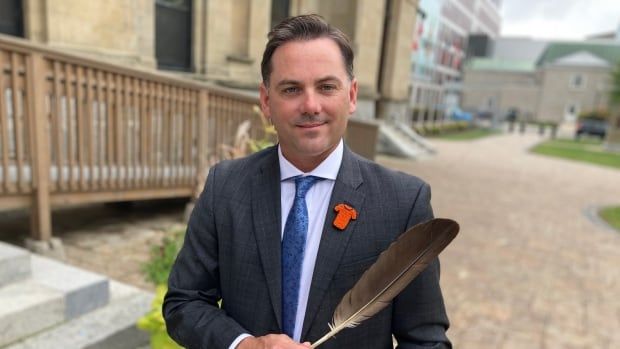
(266, 216)
(334, 241)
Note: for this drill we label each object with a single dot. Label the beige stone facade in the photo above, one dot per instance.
(562, 99)
(394, 82)
(117, 30)
(554, 93)
(228, 37)
(499, 91)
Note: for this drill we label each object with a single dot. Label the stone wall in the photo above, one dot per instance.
(557, 92)
(119, 30)
(500, 91)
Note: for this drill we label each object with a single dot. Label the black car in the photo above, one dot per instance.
(592, 127)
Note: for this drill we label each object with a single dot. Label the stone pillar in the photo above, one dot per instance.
(236, 36)
(363, 23)
(218, 37)
(300, 7)
(367, 45)
(260, 22)
(35, 20)
(396, 60)
(199, 39)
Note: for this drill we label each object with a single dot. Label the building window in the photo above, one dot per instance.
(577, 81)
(11, 18)
(279, 11)
(173, 39)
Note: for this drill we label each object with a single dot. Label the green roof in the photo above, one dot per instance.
(606, 51)
(501, 65)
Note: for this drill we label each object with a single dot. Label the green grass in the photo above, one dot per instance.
(590, 151)
(611, 215)
(467, 135)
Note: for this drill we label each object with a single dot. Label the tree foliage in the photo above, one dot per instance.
(615, 85)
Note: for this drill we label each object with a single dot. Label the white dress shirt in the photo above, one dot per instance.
(317, 202)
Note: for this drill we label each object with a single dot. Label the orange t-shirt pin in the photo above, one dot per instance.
(345, 214)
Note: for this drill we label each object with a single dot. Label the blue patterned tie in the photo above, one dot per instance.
(293, 245)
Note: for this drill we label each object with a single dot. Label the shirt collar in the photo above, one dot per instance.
(327, 169)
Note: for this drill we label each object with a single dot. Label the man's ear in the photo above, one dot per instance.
(264, 100)
(353, 96)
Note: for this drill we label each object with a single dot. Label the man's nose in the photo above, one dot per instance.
(311, 103)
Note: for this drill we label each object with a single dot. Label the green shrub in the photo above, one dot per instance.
(157, 270)
(599, 114)
(153, 322)
(162, 257)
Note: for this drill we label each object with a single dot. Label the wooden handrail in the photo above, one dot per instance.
(75, 129)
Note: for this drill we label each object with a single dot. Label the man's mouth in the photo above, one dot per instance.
(312, 125)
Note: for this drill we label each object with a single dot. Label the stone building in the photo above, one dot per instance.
(439, 45)
(566, 79)
(490, 86)
(222, 41)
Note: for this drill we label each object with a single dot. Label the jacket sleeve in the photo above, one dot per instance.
(190, 309)
(419, 315)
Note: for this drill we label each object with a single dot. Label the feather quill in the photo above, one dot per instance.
(395, 268)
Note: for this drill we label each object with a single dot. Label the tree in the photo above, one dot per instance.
(613, 132)
(615, 85)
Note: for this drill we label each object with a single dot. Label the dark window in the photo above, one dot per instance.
(11, 17)
(173, 38)
(279, 11)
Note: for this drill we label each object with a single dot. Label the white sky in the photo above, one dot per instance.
(559, 19)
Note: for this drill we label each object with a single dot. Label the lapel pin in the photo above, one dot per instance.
(345, 214)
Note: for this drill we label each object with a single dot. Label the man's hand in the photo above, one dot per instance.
(271, 341)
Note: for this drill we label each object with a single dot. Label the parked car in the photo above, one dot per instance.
(460, 115)
(592, 127)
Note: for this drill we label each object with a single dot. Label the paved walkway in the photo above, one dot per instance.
(528, 270)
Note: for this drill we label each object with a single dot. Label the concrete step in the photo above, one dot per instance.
(394, 142)
(14, 264)
(28, 307)
(110, 327)
(53, 293)
(83, 291)
(415, 137)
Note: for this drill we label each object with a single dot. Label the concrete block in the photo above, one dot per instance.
(110, 327)
(27, 308)
(52, 248)
(14, 264)
(83, 291)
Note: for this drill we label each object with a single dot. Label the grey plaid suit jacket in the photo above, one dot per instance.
(232, 251)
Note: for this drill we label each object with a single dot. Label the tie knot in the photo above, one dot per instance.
(303, 184)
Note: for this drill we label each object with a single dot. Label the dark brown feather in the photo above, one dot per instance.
(395, 268)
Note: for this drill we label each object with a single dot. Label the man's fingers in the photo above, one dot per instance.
(271, 341)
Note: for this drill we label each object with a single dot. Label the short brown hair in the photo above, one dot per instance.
(305, 27)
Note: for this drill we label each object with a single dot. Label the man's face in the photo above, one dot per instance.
(309, 99)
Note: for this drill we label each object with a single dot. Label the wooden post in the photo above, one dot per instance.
(203, 99)
(41, 227)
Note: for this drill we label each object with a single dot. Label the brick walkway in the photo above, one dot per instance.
(528, 270)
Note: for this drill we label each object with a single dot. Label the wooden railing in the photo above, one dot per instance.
(76, 130)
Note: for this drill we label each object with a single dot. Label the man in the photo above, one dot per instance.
(243, 239)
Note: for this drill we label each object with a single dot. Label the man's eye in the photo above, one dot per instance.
(328, 88)
(290, 90)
